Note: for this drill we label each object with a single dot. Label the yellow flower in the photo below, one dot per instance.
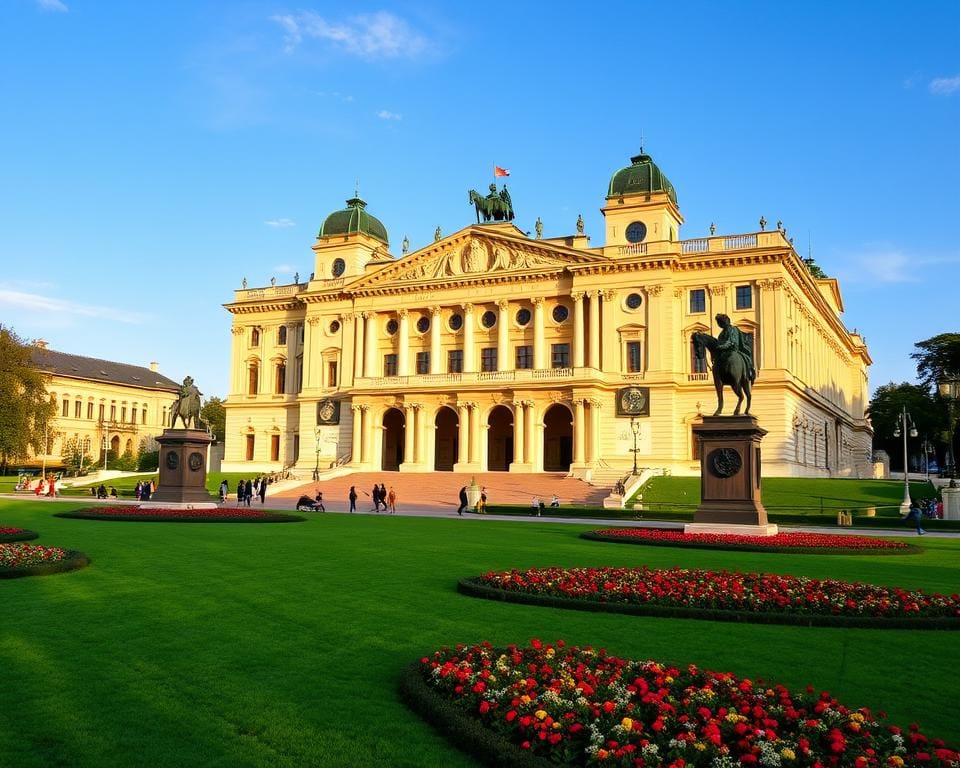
(895, 760)
(699, 745)
(788, 754)
(539, 714)
(627, 723)
(525, 699)
(550, 653)
(556, 726)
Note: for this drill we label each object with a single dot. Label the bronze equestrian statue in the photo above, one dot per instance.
(496, 206)
(187, 406)
(732, 357)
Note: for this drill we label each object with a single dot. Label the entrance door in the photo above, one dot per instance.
(499, 439)
(557, 439)
(447, 431)
(393, 433)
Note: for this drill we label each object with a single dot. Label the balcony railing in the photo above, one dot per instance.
(476, 377)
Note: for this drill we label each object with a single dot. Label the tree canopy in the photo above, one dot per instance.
(214, 415)
(925, 410)
(26, 411)
(937, 358)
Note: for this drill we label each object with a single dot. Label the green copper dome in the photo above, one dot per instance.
(352, 219)
(641, 177)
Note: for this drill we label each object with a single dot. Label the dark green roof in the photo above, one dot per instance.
(641, 177)
(352, 219)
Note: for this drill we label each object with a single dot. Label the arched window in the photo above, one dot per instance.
(280, 385)
(253, 378)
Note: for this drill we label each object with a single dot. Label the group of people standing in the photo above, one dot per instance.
(246, 490)
(380, 497)
(143, 490)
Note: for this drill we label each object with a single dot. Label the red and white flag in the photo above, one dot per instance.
(498, 171)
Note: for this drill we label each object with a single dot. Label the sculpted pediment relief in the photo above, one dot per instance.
(477, 257)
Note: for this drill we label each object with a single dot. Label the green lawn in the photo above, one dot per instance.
(280, 645)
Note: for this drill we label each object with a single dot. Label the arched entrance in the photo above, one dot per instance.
(499, 439)
(447, 432)
(393, 433)
(115, 445)
(557, 439)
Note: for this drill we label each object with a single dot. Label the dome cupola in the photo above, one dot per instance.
(354, 218)
(641, 177)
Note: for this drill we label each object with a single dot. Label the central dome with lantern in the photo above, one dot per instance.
(354, 218)
(641, 207)
(641, 177)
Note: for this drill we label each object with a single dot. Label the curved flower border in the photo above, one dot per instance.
(720, 595)
(18, 560)
(8, 534)
(546, 705)
(794, 542)
(137, 514)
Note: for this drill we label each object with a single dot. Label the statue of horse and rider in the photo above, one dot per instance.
(495, 206)
(187, 406)
(732, 356)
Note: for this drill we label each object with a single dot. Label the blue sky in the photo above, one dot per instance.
(152, 155)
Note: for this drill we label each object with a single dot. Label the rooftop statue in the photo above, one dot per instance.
(187, 406)
(732, 356)
(496, 206)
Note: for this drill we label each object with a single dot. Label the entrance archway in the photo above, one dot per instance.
(499, 439)
(115, 445)
(447, 434)
(393, 434)
(557, 439)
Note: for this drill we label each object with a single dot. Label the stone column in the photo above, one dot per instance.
(418, 446)
(503, 336)
(593, 452)
(370, 344)
(463, 433)
(238, 383)
(367, 429)
(578, 338)
(356, 453)
(652, 355)
(435, 320)
(403, 356)
(594, 347)
(538, 340)
(409, 433)
(312, 357)
(358, 348)
(578, 431)
(469, 358)
(347, 350)
(474, 433)
(518, 446)
(531, 456)
(611, 349)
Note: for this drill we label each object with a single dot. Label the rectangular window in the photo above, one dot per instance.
(274, 447)
(633, 357)
(331, 373)
(423, 362)
(90, 411)
(102, 407)
(698, 300)
(113, 412)
(488, 359)
(250, 446)
(455, 361)
(744, 297)
(77, 409)
(66, 407)
(143, 415)
(281, 382)
(123, 414)
(524, 357)
(560, 355)
(390, 365)
(697, 364)
(253, 376)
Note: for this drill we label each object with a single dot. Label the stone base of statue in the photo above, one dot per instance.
(730, 478)
(183, 469)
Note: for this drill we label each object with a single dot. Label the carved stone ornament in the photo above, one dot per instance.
(195, 461)
(633, 401)
(477, 258)
(725, 462)
(173, 460)
(328, 411)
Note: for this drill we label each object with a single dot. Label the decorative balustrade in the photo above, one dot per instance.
(700, 245)
(697, 376)
(635, 249)
(739, 241)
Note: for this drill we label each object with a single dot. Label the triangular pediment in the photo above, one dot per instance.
(471, 255)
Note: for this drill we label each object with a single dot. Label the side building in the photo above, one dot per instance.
(102, 405)
(490, 350)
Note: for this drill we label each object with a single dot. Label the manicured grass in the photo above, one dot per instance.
(236, 645)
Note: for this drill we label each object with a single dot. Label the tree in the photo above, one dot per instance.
(813, 268)
(26, 411)
(925, 409)
(214, 415)
(937, 358)
(74, 457)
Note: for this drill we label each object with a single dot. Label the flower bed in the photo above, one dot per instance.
(789, 541)
(32, 560)
(723, 595)
(165, 515)
(16, 534)
(549, 705)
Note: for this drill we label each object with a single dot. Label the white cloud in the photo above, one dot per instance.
(47, 304)
(888, 264)
(52, 5)
(284, 269)
(370, 36)
(280, 223)
(945, 85)
(385, 114)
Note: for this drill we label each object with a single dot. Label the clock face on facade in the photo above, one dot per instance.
(338, 267)
(636, 231)
(633, 401)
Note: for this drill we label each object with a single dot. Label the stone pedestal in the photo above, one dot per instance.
(730, 478)
(183, 468)
(951, 503)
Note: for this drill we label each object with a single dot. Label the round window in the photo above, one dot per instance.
(560, 313)
(636, 231)
(392, 326)
(338, 267)
(334, 326)
(456, 322)
(423, 324)
(523, 316)
(489, 319)
(634, 300)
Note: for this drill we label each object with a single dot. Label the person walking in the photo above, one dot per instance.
(383, 496)
(240, 491)
(263, 489)
(392, 501)
(917, 517)
(375, 495)
(247, 493)
(224, 490)
(463, 501)
(353, 498)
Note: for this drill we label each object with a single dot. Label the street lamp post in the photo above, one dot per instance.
(949, 387)
(635, 428)
(316, 468)
(905, 426)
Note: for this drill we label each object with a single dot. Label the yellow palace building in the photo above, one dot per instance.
(491, 350)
